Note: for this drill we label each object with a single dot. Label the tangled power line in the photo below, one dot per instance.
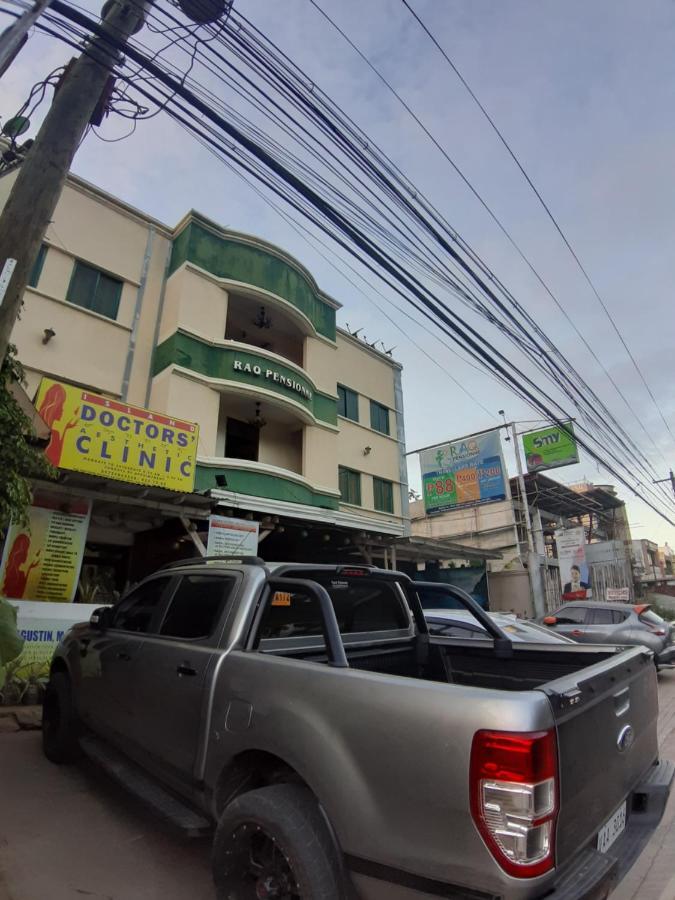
(260, 114)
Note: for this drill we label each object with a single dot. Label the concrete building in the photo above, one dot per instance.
(300, 423)
(499, 528)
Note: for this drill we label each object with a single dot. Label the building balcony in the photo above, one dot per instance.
(232, 367)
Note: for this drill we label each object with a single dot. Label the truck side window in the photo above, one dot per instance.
(571, 615)
(136, 611)
(197, 606)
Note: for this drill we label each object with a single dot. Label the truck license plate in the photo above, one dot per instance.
(611, 830)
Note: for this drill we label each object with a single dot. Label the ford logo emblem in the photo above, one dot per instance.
(625, 738)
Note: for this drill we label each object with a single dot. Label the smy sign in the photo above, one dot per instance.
(550, 448)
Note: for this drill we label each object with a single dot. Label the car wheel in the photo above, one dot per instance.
(59, 722)
(274, 843)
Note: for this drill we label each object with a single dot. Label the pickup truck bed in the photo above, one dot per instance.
(439, 768)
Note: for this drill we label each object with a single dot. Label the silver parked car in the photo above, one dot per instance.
(459, 623)
(595, 622)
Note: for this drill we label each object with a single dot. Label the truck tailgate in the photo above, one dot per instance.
(606, 720)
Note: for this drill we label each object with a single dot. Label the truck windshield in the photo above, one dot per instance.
(361, 605)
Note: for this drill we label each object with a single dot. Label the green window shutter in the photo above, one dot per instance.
(350, 486)
(95, 290)
(383, 492)
(36, 271)
(348, 403)
(379, 417)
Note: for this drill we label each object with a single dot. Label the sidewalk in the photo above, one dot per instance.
(653, 875)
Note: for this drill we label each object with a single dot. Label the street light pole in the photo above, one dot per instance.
(42, 174)
(533, 566)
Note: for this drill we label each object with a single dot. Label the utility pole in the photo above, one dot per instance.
(671, 479)
(42, 174)
(533, 566)
(13, 38)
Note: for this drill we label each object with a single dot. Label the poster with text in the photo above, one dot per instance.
(42, 560)
(466, 472)
(574, 574)
(232, 537)
(550, 448)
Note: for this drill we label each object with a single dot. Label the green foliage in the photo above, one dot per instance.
(20, 459)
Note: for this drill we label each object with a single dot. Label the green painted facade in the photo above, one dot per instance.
(227, 257)
(261, 484)
(244, 367)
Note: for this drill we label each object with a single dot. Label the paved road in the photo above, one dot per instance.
(64, 835)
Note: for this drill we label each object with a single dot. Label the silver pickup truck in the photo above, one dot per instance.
(341, 752)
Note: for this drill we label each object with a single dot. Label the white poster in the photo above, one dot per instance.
(574, 574)
(232, 537)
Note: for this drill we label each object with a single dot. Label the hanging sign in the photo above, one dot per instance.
(94, 434)
(463, 473)
(232, 537)
(574, 573)
(42, 560)
(550, 448)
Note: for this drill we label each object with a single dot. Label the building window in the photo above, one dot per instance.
(383, 492)
(94, 290)
(242, 440)
(379, 417)
(36, 271)
(350, 486)
(348, 403)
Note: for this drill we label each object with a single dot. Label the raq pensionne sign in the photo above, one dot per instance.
(94, 434)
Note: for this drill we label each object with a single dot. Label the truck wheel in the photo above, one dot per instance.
(273, 843)
(59, 722)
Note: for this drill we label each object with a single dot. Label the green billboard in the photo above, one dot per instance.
(550, 448)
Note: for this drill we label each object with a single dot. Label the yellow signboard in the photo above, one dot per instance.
(100, 436)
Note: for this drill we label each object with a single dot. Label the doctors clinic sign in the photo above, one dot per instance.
(94, 434)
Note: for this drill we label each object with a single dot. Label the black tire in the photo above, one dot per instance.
(273, 842)
(59, 721)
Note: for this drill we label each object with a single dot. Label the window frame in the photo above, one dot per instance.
(347, 471)
(80, 263)
(157, 617)
(36, 269)
(564, 609)
(377, 409)
(212, 639)
(348, 395)
(383, 483)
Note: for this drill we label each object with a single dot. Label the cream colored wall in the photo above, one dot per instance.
(321, 364)
(487, 527)
(194, 302)
(186, 399)
(366, 373)
(320, 457)
(86, 349)
(281, 446)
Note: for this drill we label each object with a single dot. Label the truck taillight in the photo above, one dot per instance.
(514, 798)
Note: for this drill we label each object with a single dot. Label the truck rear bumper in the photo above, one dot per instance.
(591, 875)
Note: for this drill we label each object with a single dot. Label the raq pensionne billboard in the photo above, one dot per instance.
(466, 472)
(94, 434)
(550, 448)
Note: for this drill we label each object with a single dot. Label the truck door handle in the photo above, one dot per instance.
(576, 632)
(185, 669)
(123, 655)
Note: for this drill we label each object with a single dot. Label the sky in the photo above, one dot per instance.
(584, 94)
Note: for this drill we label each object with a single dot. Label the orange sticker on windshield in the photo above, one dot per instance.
(281, 598)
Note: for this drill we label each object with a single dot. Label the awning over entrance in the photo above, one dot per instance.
(560, 500)
(422, 549)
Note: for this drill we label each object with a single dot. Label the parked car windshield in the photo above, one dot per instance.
(651, 618)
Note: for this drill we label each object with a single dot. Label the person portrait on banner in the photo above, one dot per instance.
(576, 588)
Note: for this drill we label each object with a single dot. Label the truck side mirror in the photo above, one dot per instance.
(550, 620)
(101, 618)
